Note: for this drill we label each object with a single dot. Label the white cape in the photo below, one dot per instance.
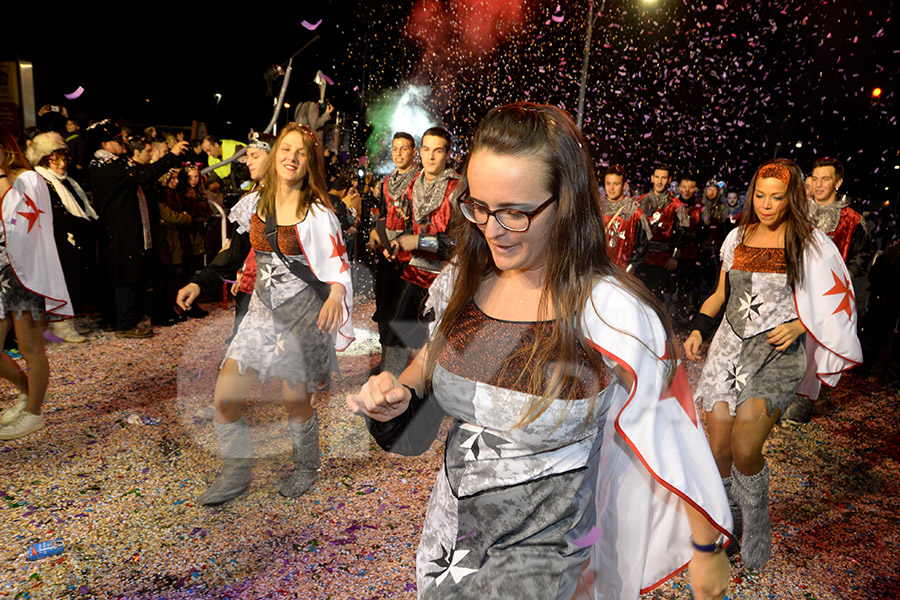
(28, 232)
(826, 305)
(320, 239)
(654, 457)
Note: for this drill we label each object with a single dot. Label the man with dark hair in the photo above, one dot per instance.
(417, 231)
(221, 180)
(627, 229)
(124, 222)
(668, 219)
(691, 285)
(392, 195)
(140, 150)
(841, 223)
(847, 230)
(158, 149)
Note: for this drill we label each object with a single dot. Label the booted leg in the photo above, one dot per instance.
(800, 410)
(734, 547)
(236, 450)
(752, 494)
(305, 444)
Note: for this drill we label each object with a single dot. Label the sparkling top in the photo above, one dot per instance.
(287, 238)
(472, 352)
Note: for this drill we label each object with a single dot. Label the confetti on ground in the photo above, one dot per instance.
(122, 496)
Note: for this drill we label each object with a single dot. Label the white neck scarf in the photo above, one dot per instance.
(81, 209)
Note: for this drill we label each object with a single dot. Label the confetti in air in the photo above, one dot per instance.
(75, 95)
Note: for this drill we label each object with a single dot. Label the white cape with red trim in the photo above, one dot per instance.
(826, 305)
(320, 239)
(654, 456)
(28, 232)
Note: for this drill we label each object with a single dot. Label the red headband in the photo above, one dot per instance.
(778, 171)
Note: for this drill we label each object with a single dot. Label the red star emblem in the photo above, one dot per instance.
(338, 251)
(842, 287)
(31, 216)
(681, 390)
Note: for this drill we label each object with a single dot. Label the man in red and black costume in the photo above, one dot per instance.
(836, 219)
(627, 229)
(417, 229)
(393, 197)
(847, 230)
(668, 220)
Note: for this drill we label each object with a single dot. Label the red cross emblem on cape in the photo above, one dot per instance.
(338, 251)
(680, 389)
(842, 288)
(31, 216)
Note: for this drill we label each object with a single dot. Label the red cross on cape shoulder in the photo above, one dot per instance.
(842, 288)
(34, 216)
(339, 251)
(681, 389)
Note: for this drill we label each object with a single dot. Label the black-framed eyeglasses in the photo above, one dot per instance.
(510, 219)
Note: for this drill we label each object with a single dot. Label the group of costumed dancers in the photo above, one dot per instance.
(576, 463)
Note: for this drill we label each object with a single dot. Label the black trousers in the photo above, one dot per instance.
(129, 301)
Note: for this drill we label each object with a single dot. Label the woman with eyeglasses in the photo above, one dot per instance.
(574, 465)
(32, 285)
(74, 227)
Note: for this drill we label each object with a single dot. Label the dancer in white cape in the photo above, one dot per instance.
(790, 322)
(32, 286)
(575, 465)
(298, 315)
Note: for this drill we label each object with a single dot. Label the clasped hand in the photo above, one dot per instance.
(784, 335)
(382, 398)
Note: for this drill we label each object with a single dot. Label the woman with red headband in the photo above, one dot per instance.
(790, 297)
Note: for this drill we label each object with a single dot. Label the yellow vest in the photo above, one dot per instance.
(228, 150)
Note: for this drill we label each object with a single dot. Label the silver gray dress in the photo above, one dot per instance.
(513, 507)
(278, 336)
(741, 363)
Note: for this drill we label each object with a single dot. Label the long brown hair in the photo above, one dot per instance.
(13, 160)
(312, 186)
(576, 260)
(798, 226)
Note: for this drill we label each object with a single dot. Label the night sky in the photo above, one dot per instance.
(712, 87)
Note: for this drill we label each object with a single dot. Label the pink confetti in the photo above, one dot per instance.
(311, 26)
(590, 539)
(75, 95)
(327, 78)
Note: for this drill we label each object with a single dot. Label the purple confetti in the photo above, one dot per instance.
(327, 78)
(75, 95)
(590, 539)
(462, 537)
(311, 26)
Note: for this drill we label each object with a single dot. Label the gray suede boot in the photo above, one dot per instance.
(305, 444)
(236, 450)
(752, 494)
(734, 547)
(394, 359)
(800, 411)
